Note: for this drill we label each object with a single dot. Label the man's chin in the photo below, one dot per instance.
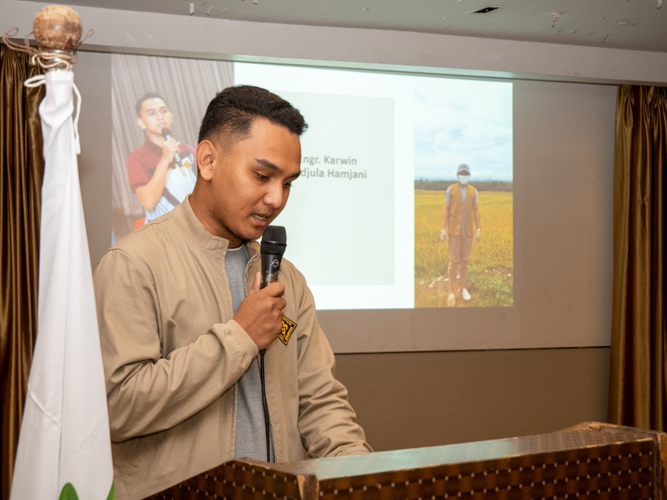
(254, 234)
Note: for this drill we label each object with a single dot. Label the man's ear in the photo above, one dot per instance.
(207, 157)
(141, 124)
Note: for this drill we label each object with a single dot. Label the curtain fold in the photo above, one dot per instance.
(20, 192)
(638, 381)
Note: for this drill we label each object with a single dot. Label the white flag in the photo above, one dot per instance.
(65, 430)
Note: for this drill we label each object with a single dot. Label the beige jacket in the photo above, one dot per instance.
(172, 355)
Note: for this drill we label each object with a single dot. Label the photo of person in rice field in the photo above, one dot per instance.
(463, 177)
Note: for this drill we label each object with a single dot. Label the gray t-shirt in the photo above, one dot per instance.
(464, 195)
(250, 439)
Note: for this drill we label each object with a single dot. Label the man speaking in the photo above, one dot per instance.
(182, 318)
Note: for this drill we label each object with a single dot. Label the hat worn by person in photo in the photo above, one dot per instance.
(463, 167)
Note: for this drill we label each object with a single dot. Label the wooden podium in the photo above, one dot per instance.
(590, 460)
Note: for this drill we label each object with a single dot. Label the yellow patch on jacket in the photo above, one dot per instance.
(288, 328)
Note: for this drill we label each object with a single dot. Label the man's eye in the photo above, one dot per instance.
(288, 184)
(262, 176)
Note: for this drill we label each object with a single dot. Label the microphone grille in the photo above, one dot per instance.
(274, 239)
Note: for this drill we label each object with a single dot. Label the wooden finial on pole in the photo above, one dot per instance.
(57, 29)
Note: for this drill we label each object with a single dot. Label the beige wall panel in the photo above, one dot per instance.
(411, 400)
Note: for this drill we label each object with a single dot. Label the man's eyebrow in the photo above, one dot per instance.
(274, 167)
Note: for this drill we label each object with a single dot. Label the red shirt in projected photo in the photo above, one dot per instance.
(141, 162)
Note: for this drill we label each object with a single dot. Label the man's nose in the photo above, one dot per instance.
(274, 195)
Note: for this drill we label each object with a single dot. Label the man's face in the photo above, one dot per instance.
(155, 116)
(250, 180)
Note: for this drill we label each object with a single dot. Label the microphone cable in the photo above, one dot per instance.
(265, 405)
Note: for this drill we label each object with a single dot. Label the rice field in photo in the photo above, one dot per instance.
(491, 268)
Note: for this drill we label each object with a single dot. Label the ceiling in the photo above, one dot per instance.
(628, 24)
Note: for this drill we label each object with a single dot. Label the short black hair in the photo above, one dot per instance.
(233, 109)
(145, 97)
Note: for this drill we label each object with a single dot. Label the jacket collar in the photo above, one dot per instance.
(198, 235)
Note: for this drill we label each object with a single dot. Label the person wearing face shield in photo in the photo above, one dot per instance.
(461, 211)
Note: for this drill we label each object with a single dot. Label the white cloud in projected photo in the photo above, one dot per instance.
(462, 121)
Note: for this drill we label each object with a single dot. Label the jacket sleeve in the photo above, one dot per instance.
(326, 420)
(146, 391)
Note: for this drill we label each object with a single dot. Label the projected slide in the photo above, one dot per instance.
(379, 182)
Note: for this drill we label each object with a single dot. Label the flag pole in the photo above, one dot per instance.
(64, 449)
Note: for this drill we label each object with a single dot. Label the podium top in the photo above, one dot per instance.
(581, 436)
(589, 460)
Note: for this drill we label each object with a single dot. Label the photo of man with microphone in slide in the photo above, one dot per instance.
(157, 104)
(162, 171)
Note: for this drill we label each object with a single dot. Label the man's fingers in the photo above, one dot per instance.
(277, 304)
(256, 283)
(275, 289)
(261, 312)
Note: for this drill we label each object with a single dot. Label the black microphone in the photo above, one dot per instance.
(274, 242)
(166, 133)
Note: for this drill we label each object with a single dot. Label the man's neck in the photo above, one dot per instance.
(156, 139)
(212, 226)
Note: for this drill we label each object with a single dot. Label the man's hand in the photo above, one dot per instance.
(260, 314)
(479, 232)
(443, 235)
(169, 148)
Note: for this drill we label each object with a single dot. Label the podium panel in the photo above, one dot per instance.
(590, 460)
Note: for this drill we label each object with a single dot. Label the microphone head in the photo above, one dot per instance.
(274, 240)
(166, 132)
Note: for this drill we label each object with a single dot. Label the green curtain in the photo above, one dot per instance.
(20, 192)
(639, 328)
